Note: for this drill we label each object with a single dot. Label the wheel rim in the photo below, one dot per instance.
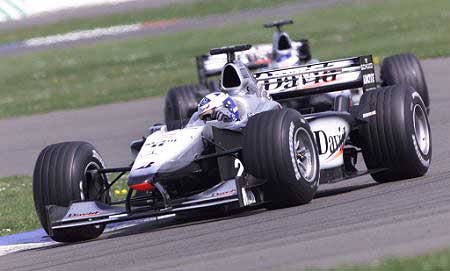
(421, 130)
(92, 187)
(305, 154)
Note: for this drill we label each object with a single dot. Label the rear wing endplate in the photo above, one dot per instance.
(329, 76)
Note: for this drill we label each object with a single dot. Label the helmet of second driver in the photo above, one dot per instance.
(283, 55)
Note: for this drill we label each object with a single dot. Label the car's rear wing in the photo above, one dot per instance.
(329, 76)
(257, 57)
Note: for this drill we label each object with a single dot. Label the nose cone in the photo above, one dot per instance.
(140, 176)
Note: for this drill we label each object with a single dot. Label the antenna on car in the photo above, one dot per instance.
(179, 114)
(230, 51)
(278, 24)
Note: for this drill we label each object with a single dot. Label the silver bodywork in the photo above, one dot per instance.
(166, 152)
(169, 151)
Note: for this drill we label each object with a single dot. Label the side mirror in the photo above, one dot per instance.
(136, 145)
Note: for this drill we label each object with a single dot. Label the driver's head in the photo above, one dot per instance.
(218, 103)
(283, 53)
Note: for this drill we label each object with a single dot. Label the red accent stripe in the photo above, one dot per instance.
(145, 186)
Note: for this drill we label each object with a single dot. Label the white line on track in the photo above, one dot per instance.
(33, 242)
(20, 247)
(95, 33)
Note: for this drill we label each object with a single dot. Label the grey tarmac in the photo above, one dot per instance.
(349, 222)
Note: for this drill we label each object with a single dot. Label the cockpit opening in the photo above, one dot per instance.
(284, 43)
(230, 77)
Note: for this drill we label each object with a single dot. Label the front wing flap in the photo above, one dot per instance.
(95, 213)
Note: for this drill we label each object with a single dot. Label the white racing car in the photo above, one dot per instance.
(242, 149)
(283, 52)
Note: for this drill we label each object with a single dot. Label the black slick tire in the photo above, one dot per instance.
(397, 136)
(60, 177)
(405, 69)
(270, 152)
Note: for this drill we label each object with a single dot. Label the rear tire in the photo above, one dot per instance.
(271, 150)
(405, 69)
(60, 177)
(398, 137)
(181, 102)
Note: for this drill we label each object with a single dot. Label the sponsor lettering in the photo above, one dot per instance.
(368, 79)
(84, 214)
(308, 77)
(293, 151)
(96, 155)
(419, 152)
(369, 114)
(160, 143)
(330, 143)
(225, 194)
(366, 66)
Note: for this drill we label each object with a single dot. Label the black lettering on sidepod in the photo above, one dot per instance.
(332, 143)
(160, 143)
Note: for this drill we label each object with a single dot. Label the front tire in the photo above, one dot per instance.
(279, 147)
(61, 175)
(397, 137)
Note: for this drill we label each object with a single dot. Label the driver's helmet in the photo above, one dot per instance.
(218, 105)
(284, 55)
(284, 59)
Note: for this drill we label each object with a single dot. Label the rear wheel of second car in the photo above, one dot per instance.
(180, 103)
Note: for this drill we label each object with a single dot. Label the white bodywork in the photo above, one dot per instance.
(168, 151)
(330, 134)
(260, 54)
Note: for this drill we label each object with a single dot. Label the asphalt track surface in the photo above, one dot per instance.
(353, 221)
(219, 20)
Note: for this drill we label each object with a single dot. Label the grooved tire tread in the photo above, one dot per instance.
(388, 136)
(405, 69)
(267, 155)
(56, 181)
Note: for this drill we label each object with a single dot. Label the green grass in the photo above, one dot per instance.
(182, 10)
(436, 261)
(16, 205)
(17, 211)
(124, 70)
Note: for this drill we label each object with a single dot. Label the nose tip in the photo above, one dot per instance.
(144, 186)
